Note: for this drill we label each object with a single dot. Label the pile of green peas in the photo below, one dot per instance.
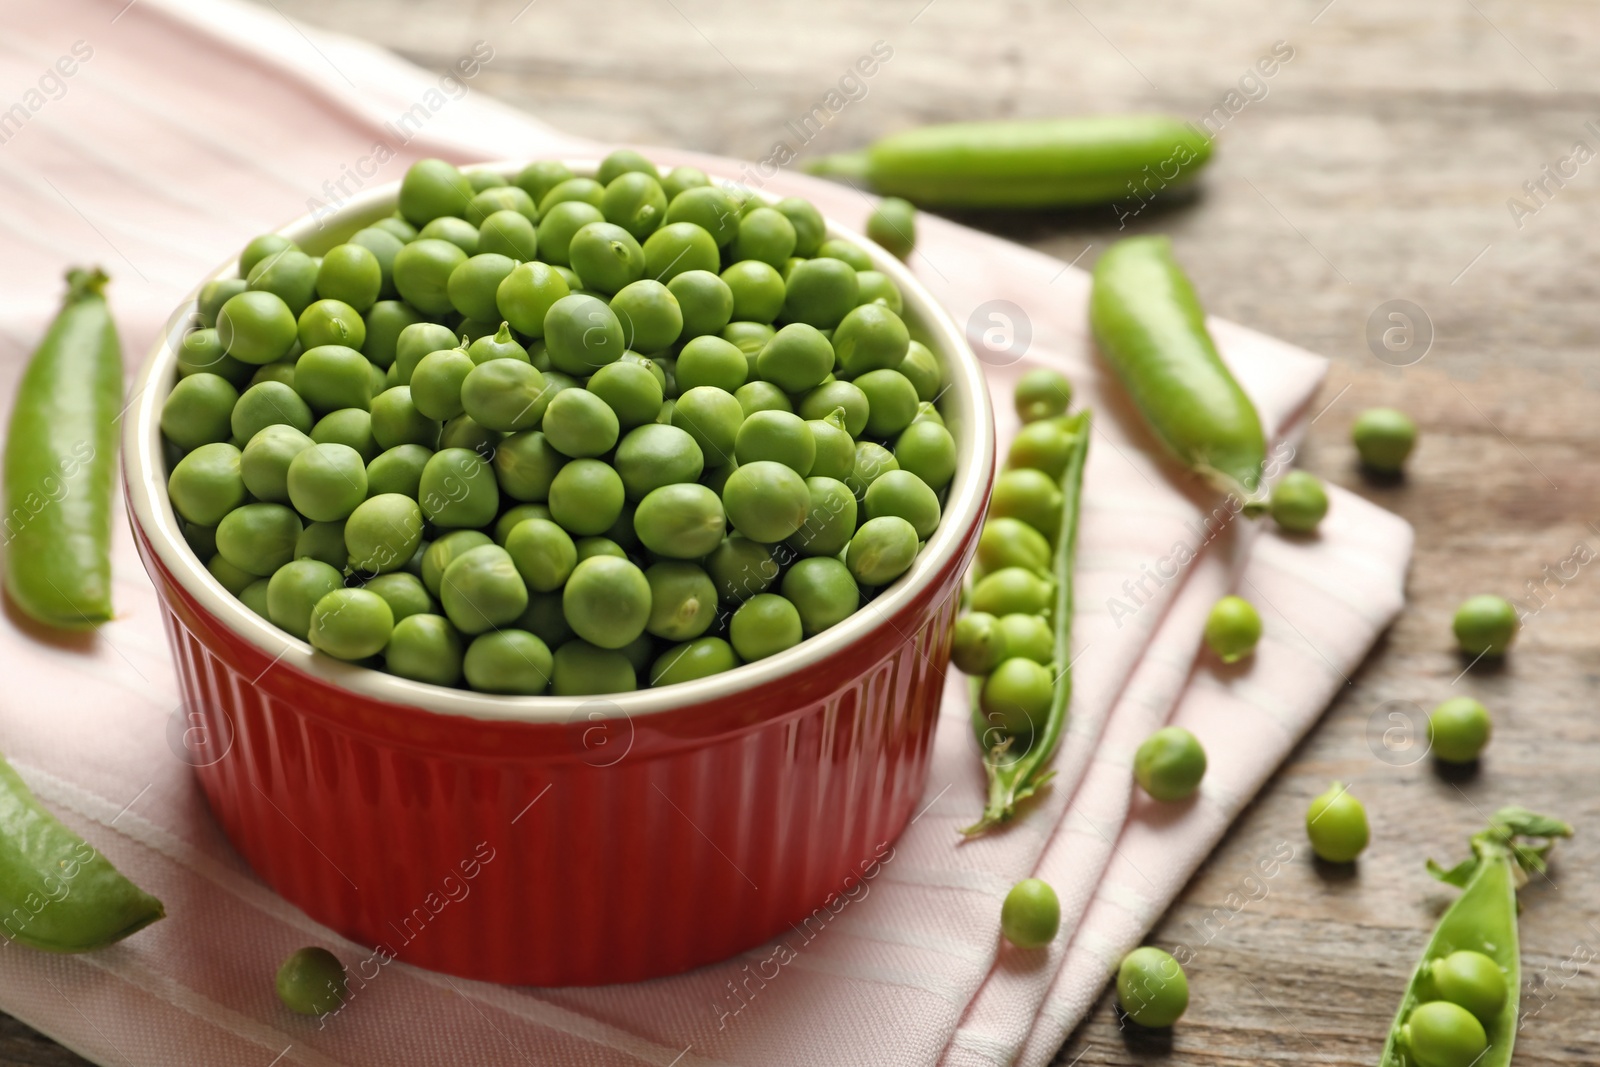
(558, 434)
(1008, 633)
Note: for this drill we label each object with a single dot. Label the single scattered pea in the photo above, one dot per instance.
(1233, 628)
(1384, 438)
(1170, 764)
(1336, 823)
(1458, 730)
(1486, 625)
(1299, 502)
(1152, 988)
(1031, 914)
(893, 224)
(312, 982)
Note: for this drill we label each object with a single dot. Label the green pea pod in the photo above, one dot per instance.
(1483, 919)
(1150, 327)
(60, 453)
(1014, 777)
(56, 892)
(1027, 163)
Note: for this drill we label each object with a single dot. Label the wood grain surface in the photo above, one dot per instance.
(1379, 163)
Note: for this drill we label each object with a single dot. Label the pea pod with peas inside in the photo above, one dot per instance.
(1460, 1007)
(1016, 641)
(56, 892)
(1150, 327)
(1027, 163)
(60, 452)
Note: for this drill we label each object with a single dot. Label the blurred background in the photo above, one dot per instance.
(1404, 194)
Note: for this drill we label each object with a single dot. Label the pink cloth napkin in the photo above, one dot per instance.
(156, 139)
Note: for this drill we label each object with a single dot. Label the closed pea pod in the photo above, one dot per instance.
(60, 452)
(1150, 327)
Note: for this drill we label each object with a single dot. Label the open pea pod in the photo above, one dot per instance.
(1483, 919)
(56, 892)
(1015, 776)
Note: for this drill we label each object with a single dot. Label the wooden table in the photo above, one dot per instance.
(1374, 165)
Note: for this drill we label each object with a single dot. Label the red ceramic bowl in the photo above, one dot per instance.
(563, 841)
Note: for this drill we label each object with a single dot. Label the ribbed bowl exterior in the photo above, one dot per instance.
(596, 851)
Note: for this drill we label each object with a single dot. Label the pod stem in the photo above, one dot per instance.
(846, 166)
(83, 283)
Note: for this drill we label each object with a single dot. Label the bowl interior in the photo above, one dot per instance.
(964, 406)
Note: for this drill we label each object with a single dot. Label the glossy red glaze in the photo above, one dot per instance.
(598, 850)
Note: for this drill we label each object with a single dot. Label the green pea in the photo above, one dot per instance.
(1028, 636)
(1336, 823)
(1486, 625)
(573, 191)
(1042, 393)
(1031, 914)
(809, 227)
(525, 465)
(873, 287)
(870, 337)
(497, 198)
(777, 436)
(1044, 445)
(586, 497)
(526, 294)
(443, 552)
(234, 579)
(422, 271)
(764, 236)
(679, 247)
(921, 368)
(606, 601)
(417, 340)
(326, 482)
(383, 533)
(1458, 730)
(606, 257)
(514, 662)
(704, 299)
(891, 399)
(256, 327)
(436, 383)
(539, 177)
(214, 294)
(630, 390)
(650, 457)
(599, 546)
(312, 982)
(1299, 502)
(1471, 980)
(683, 521)
(387, 320)
(927, 450)
(758, 290)
(505, 395)
(294, 589)
(508, 233)
(683, 600)
(258, 538)
(431, 188)
(797, 358)
(324, 542)
(582, 334)
(883, 548)
(1384, 439)
(837, 248)
(1152, 988)
(1233, 628)
(872, 462)
(976, 644)
(332, 322)
(710, 361)
(581, 669)
(634, 201)
(403, 592)
(396, 420)
(473, 287)
(560, 224)
(680, 178)
(464, 431)
(766, 501)
(513, 517)
(903, 494)
(1005, 542)
(1442, 1034)
(290, 274)
(347, 426)
(395, 224)
(763, 626)
(650, 315)
(1016, 697)
(202, 352)
(351, 274)
(501, 344)
(1169, 764)
(580, 424)
(459, 490)
(820, 292)
(425, 648)
(481, 589)
(254, 596)
(1013, 590)
(712, 417)
(264, 464)
(748, 337)
(893, 224)
(351, 624)
(762, 396)
(199, 410)
(1029, 495)
(700, 658)
(260, 248)
(708, 207)
(741, 568)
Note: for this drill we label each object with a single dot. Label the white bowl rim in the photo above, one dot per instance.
(146, 487)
